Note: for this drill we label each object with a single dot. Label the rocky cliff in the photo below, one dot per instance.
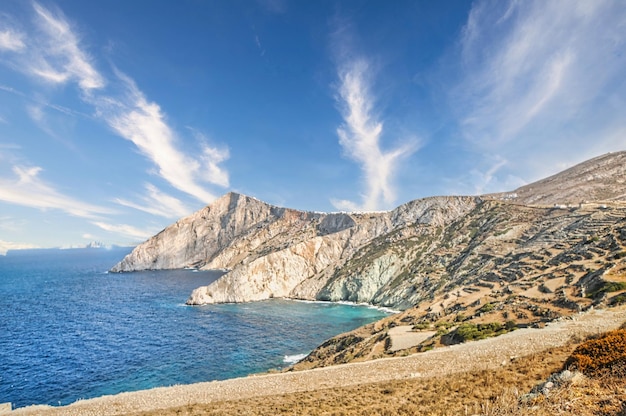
(410, 256)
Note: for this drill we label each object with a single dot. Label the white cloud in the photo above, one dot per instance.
(59, 58)
(126, 230)
(7, 245)
(54, 55)
(28, 190)
(158, 203)
(360, 137)
(345, 205)
(211, 157)
(11, 41)
(143, 123)
(487, 180)
(540, 80)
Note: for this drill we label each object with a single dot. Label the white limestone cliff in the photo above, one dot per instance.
(396, 258)
(279, 252)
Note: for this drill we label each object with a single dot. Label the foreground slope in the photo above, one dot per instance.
(534, 242)
(222, 396)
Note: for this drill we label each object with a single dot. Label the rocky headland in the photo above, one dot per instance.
(453, 265)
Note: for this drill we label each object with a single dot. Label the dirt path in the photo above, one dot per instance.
(485, 354)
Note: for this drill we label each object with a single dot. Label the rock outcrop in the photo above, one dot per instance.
(409, 256)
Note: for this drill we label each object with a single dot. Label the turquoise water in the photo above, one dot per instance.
(69, 330)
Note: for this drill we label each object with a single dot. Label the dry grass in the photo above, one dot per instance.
(604, 396)
(460, 394)
(501, 392)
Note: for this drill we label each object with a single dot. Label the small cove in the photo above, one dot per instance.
(69, 330)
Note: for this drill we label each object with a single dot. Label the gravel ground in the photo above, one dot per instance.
(478, 355)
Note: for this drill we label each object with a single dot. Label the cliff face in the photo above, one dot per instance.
(302, 266)
(278, 252)
(399, 258)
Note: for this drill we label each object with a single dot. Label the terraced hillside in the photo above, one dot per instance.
(500, 267)
(458, 267)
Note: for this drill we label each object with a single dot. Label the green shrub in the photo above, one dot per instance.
(470, 331)
(618, 300)
(443, 324)
(608, 287)
(487, 307)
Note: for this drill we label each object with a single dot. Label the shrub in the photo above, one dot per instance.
(618, 300)
(487, 307)
(470, 331)
(606, 353)
(608, 287)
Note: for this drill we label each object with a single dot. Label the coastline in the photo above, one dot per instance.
(384, 309)
(477, 355)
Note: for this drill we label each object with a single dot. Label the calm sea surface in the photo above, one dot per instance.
(69, 330)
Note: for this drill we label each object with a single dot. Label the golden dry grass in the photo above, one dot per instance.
(460, 394)
(501, 392)
(589, 396)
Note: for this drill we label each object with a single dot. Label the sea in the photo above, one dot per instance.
(70, 330)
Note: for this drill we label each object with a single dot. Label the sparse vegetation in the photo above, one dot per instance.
(618, 300)
(486, 308)
(470, 331)
(608, 287)
(420, 326)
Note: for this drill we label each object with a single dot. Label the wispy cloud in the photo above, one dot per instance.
(7, 245)
(11, 41)
(27, 189)
(53, 54)
(142, 122)
(211, 157)
(126, 230)
(60, 57)
(11, 224)
(542, 78)
(360, 137)
(157, 203)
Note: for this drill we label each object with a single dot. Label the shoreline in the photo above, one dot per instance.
(477, 355)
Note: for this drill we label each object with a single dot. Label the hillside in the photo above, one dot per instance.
(599, 179)
(460, 248)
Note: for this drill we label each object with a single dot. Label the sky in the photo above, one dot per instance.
(119, 117)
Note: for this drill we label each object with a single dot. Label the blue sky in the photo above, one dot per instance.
(119, 117)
